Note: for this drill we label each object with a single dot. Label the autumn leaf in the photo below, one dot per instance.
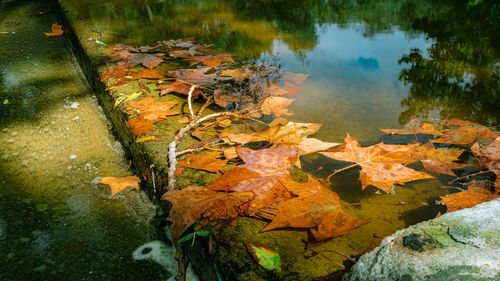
(264, 256)
(194, 202)
(197, 76)
(276, 105)
(212, 61)
(465, 132)
(374, 172)
(145, 73)
(139, 126)
(207, 162)
(148, 60)
(118, 184)
(149, 109)
(415, 126)
(223, 100)
(287, 134)
(259, 175)
(291, 90)
(56, 30)
(238, 74)
(488, 157)
(178, 87)
(296, 78)
(467, 198)
(148, 138)
(316, 207)
(440, 161)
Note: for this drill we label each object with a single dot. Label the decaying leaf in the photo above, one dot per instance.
(380, 163)
(213, 60)
(118, 184)
(197, 76)
(207, 162)
(315, 207)
(178, 87)
(148, 138)
(468, 198)
(150, 109)
(264, 256)
(465, 132)
(194, 202)
(296, 78)
(56, 30)
(415, 126)
(139, 126)
(276, 105)
(489, 158)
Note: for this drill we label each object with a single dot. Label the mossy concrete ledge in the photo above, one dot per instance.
(462, 245)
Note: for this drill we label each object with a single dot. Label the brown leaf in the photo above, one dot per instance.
(465, 132)
(468, 198)
(224, 100)
(380, 163)
(296, 78)
(238, 74)
(413, 127)
(148, 60)
(488, 156)
(139, 126)
(148, 138)
(197, 76)
(212, 61)
(291, 89)
(207, 162)
(276, 105)
(150, 109)
(118, 184)
(56, 30)
(315, 206)
(199, 200)
(178, 87)
(146, 74)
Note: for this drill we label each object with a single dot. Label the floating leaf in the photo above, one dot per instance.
(207, 162)
(264, 256)
(413, 127)
(139, 126)
(380, 163)
(150, 109)
(118, 184)
(201, 202)
(56, 30)
(468, 198)
(148, 138)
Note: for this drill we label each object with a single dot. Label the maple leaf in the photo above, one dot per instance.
(150, 109)
(414, 127)
(288, 134)
(465, 132)
(178, 87)
(276, 105)
(296, 78)
(148, 138)
(139, 126)
(207, 162)
(438, 160)
(489, 158)
(146, 74)
(291, 89)
(467, 198)
(223, 100)
(212, 61)
(258, 175)
(118, 184)
(113, 72)
(374, 172)
(148, 60)
(238, 74)
(316, 207)
(197, 76)
(202, 202)
(56, 30)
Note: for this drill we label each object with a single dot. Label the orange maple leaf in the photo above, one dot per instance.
(468, 198)
(193, 202)
(118, 184)
(207, 162)
(380, 163)
(56, 30)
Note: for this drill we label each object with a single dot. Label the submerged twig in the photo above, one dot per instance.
(190, 102)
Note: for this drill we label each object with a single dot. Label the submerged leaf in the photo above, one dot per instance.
(118, 184)
(56, 30)
(264, 256)
(207, 162)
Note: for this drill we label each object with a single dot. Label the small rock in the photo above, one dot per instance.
(72, 156)
(13, 134)
(75, 104)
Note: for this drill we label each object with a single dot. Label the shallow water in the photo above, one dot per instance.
(56, 223)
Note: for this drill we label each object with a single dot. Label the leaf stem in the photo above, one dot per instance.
(343, 169)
